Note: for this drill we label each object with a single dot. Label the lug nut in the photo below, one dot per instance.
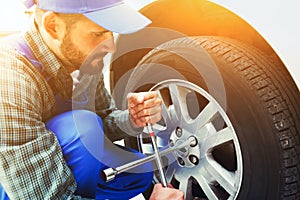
(194, 141)
(194, 159)
(178, 132)
(180, 161)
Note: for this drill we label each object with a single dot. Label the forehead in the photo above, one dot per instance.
(87, 25)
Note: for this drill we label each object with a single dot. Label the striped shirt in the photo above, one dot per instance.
(31, 161)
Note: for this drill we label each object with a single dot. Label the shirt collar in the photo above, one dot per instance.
(41, 51)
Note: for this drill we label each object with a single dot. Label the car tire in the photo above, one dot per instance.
(259, 97)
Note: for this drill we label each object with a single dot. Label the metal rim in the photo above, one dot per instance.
(198, 170)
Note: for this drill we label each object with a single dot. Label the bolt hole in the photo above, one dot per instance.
(194, 159)
(180, 161)
(178, 132)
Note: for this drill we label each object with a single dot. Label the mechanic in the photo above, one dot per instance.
(55, 108)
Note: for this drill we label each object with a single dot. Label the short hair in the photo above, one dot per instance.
(69, 19)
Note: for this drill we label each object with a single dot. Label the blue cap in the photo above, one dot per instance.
(113, 15)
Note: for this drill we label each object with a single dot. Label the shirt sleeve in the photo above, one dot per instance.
(31, 161)
(116, 122)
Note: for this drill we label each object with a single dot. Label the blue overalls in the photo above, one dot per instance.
(87, 151)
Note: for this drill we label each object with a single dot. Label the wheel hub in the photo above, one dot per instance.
(188, 156)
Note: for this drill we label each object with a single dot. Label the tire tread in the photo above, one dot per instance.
(280, 106)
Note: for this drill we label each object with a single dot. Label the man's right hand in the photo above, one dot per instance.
(166, 193)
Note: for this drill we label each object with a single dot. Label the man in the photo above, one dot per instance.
(51, 88)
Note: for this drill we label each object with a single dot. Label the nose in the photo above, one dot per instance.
(109, 43)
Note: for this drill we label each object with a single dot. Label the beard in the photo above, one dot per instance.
(76, 59)
(72, 55)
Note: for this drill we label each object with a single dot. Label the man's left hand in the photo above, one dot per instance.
(144, 107)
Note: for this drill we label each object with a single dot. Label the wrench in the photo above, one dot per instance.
(110, 173)
(157, 156)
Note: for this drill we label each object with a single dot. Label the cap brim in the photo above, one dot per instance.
(121, 19)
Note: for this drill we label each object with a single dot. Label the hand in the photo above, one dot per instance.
(144, 107)
(161, 193)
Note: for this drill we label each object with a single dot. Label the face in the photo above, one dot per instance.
(85, 44)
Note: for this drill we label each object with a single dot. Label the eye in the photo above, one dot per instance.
(102, 33)
(98, 34)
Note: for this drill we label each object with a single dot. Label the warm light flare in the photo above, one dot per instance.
(13, 17)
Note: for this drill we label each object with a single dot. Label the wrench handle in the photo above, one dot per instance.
(157, 156)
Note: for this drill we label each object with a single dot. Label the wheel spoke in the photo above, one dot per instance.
(205, 186)
(158, 127)
(183, 186)
(147, 148)
(225, 178)
(178, 96)
(221, 137)
(165, 111)
(206, 115)
(171, 171)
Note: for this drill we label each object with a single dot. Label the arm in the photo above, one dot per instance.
(116, 122)
(144, 107)
(31, 162)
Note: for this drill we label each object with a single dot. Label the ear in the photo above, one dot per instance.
(51, 24)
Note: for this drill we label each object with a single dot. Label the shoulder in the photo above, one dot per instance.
(13, 63)
(18, 74)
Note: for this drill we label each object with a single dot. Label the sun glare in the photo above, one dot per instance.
(13, 17)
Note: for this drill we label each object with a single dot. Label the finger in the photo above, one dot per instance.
(149, 111)
(152, 102)
(150, 119)
(153, 119)
(141, 121)
(147, 104)
(150, 95)
(134, 99)
(138, 98)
